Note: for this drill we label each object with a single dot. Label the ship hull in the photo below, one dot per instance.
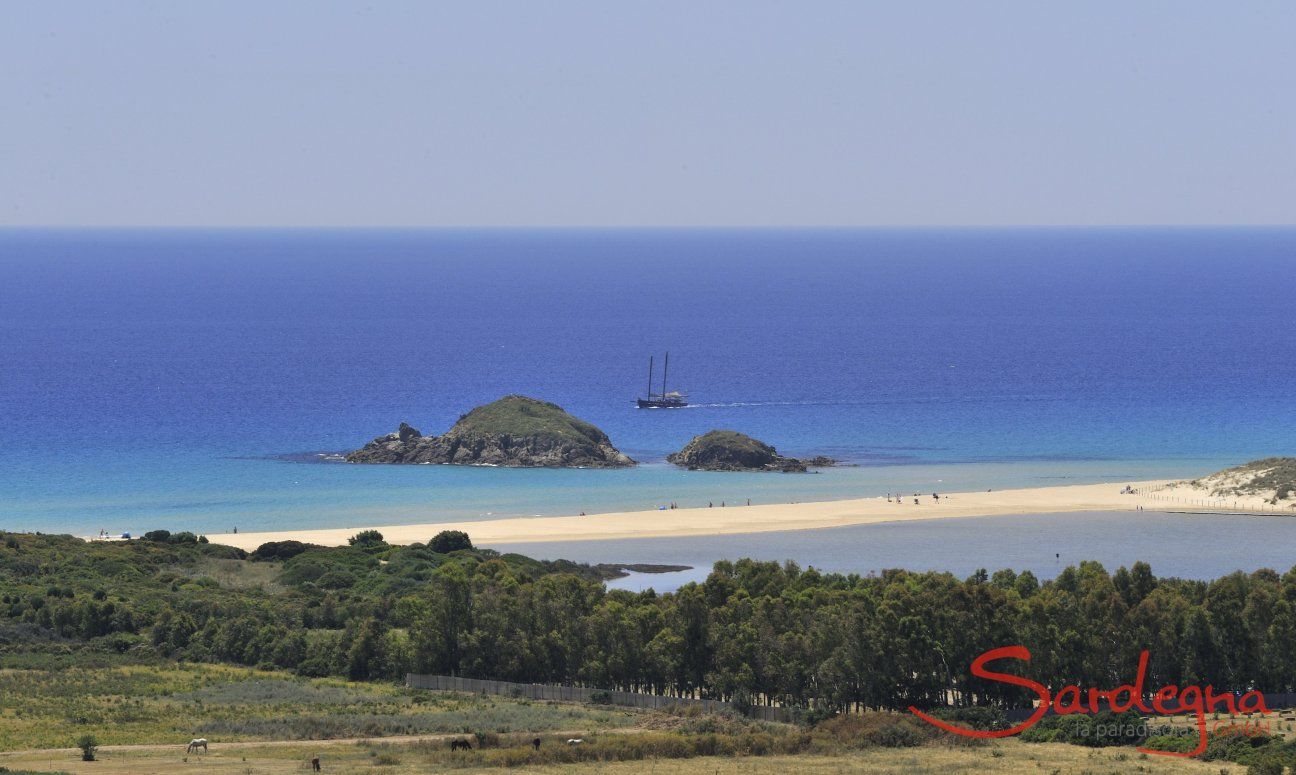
(656, 403)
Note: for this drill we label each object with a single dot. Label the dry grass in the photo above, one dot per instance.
(237, 574)
(141, 704)
(1009, 756)
(1278, 723)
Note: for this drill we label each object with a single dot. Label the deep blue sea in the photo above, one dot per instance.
(158, 378)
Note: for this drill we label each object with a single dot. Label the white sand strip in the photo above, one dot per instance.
(736, 518)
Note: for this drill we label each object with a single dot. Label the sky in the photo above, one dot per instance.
(696, 113)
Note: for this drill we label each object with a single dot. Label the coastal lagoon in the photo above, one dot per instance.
(174, 379)
(1192, 546)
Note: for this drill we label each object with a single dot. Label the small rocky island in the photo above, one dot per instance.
(733, 451)
(515, 431)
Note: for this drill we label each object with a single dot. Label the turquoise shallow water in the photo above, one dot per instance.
(155, 379)
(312, 496)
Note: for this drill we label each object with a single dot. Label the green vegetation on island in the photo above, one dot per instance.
(513, 431)
(722, 450)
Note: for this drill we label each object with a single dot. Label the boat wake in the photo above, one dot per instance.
(875, 401)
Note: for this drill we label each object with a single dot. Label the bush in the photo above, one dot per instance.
(1240, 748)
(88, 745)
(986, 717)
(1173, 743)
(337, 579)
(279, 550)
(167, 537)
(1266, 766)
(876, 730)
(366, 538)
(450, 541)
(1096, 730)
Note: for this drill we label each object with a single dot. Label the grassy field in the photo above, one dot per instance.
(142, 714)
(1277, 723)
(1008, 756)
(142, 704)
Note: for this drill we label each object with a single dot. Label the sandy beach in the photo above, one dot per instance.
(734, 518)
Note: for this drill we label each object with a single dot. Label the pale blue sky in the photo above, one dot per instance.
(622, 113)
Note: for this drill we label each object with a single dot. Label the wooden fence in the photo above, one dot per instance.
(1176, 500)
(449, 683)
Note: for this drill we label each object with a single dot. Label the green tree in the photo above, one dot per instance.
(366, 538)
(450, 541)
(89, 746)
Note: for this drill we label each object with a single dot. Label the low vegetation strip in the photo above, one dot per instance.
(585, 694)
(49, 704)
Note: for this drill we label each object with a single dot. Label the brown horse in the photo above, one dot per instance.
(460, 745)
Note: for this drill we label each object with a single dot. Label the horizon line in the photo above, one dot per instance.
(631, 227)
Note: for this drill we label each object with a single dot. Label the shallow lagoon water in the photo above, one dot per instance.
(1195, 546)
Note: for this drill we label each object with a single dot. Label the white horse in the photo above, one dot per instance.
(196, 743)
(575, 741)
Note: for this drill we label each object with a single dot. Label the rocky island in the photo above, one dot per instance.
(515, 431)
(720, 450)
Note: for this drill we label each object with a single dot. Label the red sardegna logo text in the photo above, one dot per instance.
(1166, 701)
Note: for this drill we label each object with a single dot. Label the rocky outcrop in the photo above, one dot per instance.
(732, 451)
(514, 431)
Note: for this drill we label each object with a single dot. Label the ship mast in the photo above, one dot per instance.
(650, 373)
(665, 366)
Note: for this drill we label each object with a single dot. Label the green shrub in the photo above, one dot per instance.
(1096, 730)
(1269, 765)
(88, 745)
(876, 730)
(450, 541)
(279, 550)
(986, 717)
(366, 538)
(1172, 743)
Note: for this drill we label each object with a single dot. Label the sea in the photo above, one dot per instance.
(204, 379)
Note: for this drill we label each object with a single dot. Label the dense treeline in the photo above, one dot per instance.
(753, 632)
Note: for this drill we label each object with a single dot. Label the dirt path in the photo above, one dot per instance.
(180, 746)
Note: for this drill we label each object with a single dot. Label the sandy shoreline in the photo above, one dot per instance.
(737, 519)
